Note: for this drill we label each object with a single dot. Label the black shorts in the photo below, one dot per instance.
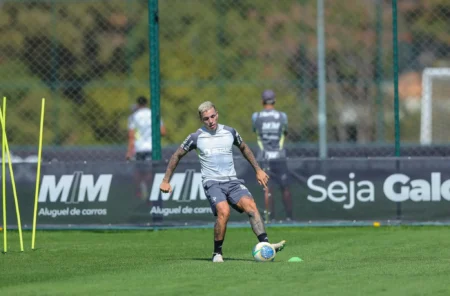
(278, 171)
(140, 156)
(143, 162)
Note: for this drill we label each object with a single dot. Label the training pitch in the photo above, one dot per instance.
(336, 261)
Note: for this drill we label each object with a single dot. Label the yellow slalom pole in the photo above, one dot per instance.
(38, 174)
(5, 239)
(19, 224)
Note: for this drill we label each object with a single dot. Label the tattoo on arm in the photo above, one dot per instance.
(256, 222)
(248, 154)
(173, 163)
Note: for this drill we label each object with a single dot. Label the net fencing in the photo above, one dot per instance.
(90, 60)
(236, 49)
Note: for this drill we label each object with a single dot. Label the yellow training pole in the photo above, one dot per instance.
(5, 239)
(19, 224)
(38, 174)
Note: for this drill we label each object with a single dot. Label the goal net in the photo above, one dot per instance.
(435, 113)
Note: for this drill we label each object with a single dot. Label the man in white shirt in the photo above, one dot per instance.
(140, 144)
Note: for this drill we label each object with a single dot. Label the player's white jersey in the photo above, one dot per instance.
(215, 151)
(141, 122)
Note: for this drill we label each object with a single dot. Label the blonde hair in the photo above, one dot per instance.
(205, 106)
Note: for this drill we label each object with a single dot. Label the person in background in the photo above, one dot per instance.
(270, 126)
(140, 144)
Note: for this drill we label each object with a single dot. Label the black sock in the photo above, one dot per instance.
(218, 247)
(263, 237)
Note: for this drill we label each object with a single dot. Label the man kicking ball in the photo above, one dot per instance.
(214, 144)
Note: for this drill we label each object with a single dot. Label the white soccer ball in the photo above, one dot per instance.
(264, 252)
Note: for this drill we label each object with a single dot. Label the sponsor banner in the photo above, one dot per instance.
(127, 193)
(371, 189)
(76, 193)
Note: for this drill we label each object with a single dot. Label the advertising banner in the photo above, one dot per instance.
(126, 194)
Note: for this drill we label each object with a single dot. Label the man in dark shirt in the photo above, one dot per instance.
(270, 126)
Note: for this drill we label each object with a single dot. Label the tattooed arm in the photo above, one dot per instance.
(173, 163)
(261, 176)
(174, 160)
(189, 144)
(248, 154)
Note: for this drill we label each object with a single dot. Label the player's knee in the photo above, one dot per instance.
(223, 215)
(223, 210)
(248, 204)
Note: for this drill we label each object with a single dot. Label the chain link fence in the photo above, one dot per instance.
(90, 60)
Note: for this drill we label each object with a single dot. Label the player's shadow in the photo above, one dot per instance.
(225, 259)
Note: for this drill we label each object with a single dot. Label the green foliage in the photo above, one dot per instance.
(430, 21)
(106, 113)
(90, 59)
(23, 109)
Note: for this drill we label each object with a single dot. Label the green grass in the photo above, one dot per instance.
(337, 261)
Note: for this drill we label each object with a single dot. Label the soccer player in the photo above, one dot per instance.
(270, 126)
(214, 143)
(140, 143)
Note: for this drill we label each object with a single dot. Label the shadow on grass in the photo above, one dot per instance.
(225, 259)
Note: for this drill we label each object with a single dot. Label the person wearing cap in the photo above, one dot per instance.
(270, 126)
(140, 143)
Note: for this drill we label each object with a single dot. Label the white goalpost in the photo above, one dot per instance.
(435, 105)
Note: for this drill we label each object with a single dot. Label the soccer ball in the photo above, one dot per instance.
(264, 252)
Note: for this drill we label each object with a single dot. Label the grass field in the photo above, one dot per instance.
(336, 261)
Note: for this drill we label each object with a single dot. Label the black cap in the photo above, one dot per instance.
(268, 96)
(142, 101)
